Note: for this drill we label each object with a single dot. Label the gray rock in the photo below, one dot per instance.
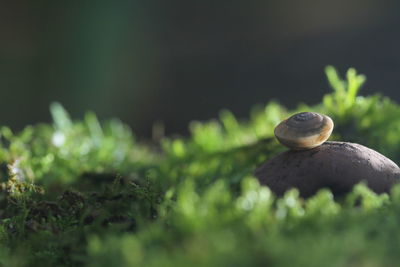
(337, 166)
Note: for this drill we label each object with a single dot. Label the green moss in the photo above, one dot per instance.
(84, 192)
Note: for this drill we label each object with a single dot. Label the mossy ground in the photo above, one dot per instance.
(87, 193)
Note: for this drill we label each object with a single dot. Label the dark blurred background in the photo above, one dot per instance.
(175, 61)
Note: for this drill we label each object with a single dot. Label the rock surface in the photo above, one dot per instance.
(337, 166)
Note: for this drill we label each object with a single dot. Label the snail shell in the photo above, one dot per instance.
(304, 130)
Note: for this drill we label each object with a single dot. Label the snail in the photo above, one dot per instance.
(304, 130)
(312, 163)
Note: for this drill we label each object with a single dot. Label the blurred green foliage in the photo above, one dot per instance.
(84, 192)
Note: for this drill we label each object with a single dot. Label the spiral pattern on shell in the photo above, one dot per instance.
(304, 130)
